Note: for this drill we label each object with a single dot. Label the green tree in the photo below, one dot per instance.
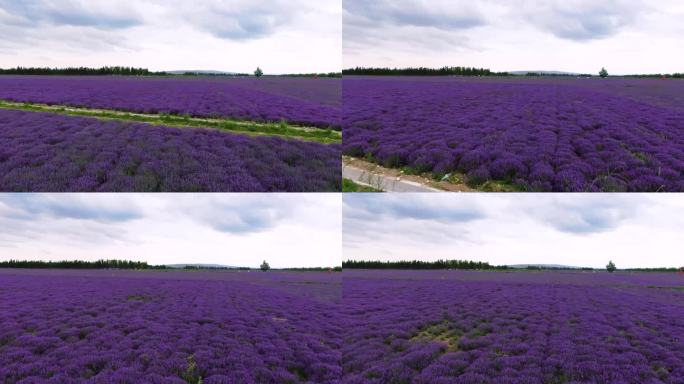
(611, 266)
(264, 266)
(603, 73)
(258, 72)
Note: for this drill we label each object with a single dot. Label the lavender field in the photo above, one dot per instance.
(532, 134)
(46, 152)
(302, 101)
(516, 327)
(168, 327)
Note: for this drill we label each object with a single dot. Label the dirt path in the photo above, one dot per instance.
(250, 128)
(393, 180)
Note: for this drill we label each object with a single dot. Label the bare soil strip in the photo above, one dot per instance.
(285, 130)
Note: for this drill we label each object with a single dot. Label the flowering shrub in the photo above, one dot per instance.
(168, 327)
(296, 100)
(516, 327)
(541, 135)
(43, 152)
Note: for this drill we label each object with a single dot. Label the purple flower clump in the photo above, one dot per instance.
(168, 327)
(541, 135)
(45, 152)
(517, 327)
(303, 101)
(50, 152)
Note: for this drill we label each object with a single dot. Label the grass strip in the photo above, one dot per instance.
(350, 186)
(282, 129)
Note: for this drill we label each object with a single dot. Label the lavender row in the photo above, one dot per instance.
(42, 152)
(452, 327)
(367, 327)
(311, 102)
(145, 328)
(541, 136)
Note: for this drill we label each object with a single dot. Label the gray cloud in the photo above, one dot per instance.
(253, 21)
(34, 21)
(95, 219)
(368, 206)
(244, 219)
(582, 19)
(407, 25)
(286, 229)
(569, 229)
(410, 219)
(31, 206)
(586, 215)
(410, 13)
(238, 215)
(68, 13)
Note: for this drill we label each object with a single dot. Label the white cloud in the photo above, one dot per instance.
(571, 229)
(288, 230)
(232, 35)
(626, 36)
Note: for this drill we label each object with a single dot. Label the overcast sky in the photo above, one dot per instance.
(625, 36)
(635, 230)
(287, 230)
(281, 36)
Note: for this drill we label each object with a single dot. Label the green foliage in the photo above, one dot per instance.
(191, 375)
(659, 76)
(284, 129)
(314, 75)
(264, 266)
(80, 71)
(611, 266)
(603, 73)
(422, 71)
(313, 269)
(553, 74)
(350, 186)
(661, 269)
(79, 264)
(417, 264)
(258, 72)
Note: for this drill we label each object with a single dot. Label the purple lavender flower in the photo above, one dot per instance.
(44, 152)
(540, 134)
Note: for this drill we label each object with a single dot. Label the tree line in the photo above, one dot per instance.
(553, 268)
(418, 264)
(205, 74)
(544, 74)
(207, 267)
(313, 269)
(128, 264)
(133, 71)
(659, 76)
(664, 269)
(422, 71)
(329, 74)
(81, 71)
(79, 264)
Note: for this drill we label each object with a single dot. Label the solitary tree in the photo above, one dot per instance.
(264, 266)
(603, 73)
(258, 72)
(611, 266)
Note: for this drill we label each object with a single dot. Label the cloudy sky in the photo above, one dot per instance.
(281, 36)
(634, 230)
(625, 36)
(287, 230)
